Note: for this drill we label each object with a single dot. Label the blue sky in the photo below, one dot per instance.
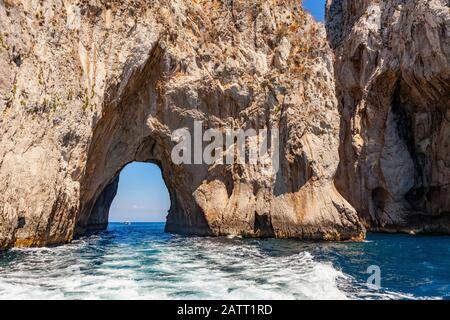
(316, 8)
(142, 194)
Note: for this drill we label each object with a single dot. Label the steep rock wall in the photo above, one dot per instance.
(89, 86)
(393, 86)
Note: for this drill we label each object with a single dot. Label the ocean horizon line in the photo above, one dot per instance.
(125, 221)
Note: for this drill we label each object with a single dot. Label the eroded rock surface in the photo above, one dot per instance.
(393, 87)
(89, 86)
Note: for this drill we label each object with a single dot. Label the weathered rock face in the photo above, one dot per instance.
(393, 86)
(89, 86)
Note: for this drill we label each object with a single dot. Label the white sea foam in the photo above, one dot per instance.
(174, 268)
(198, 268)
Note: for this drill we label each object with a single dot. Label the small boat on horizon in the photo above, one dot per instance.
(128, 223)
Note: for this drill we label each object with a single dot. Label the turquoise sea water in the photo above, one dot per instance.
(140, 261)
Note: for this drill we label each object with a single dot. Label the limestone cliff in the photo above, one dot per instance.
(393, 86)
(89, 86)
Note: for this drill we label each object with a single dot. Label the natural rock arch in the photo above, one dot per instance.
(217, 199)
(87, 87)
(121, 77)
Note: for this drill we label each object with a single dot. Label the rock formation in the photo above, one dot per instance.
(89, 86)
(393, 86)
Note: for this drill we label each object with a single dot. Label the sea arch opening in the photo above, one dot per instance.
(137, 191)
(142, 195)
(136, 124)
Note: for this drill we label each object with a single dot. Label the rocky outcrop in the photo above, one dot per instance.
(89, 86)
(393, 86)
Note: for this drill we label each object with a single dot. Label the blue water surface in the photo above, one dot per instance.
(140, 261)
